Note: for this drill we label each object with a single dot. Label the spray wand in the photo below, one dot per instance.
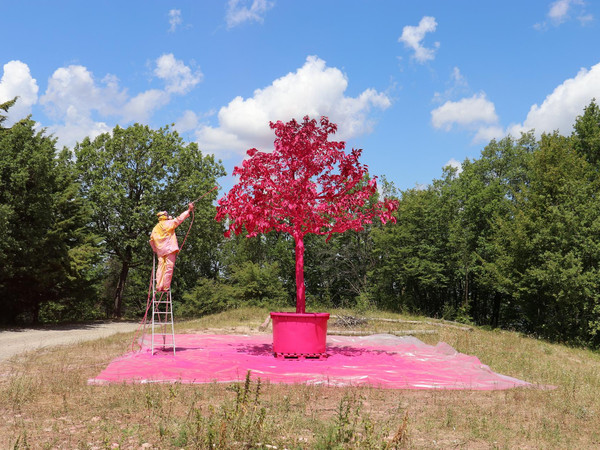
(192, 221)
(205, 194)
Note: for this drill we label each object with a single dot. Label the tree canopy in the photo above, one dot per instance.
(130, 174)
(308, 184)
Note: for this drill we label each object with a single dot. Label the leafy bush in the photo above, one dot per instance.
(249, 284)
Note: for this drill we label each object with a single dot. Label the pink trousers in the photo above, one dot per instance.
(164, 271)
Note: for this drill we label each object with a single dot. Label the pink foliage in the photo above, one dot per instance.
(308, 184)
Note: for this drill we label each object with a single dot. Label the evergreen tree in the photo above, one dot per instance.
(40, 221)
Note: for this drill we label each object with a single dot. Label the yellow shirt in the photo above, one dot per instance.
(163, 240)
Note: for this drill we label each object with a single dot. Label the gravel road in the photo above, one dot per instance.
(15, 341)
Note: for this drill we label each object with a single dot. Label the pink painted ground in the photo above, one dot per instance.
(382, 360)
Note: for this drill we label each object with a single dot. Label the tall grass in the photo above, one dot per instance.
(45, 402)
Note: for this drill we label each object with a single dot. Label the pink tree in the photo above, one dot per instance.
(308, 184)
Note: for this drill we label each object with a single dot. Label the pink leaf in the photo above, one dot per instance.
(308, 184)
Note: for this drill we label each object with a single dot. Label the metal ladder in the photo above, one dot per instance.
(162, 315)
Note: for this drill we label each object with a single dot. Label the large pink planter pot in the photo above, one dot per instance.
(299, 335)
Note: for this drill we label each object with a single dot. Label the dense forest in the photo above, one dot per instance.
(512, 240)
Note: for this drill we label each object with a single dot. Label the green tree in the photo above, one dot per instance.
(78, 289)
(484, 192)
(440, 258)
(550, 247)
(130, 174)
(511, 241)
(44, 255)
(412, 270)
(586, 134)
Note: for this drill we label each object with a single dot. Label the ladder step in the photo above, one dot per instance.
(162, 319)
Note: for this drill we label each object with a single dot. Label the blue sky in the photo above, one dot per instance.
(416, 84)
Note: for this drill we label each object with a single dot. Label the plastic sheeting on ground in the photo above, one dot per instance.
(381, 360)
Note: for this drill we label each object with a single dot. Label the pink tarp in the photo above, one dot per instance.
(382, 360)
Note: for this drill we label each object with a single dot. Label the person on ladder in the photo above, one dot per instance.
(164, 243)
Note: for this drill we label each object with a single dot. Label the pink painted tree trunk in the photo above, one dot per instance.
(300, 288)
(308, 184)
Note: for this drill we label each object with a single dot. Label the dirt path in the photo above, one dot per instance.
(13, 342)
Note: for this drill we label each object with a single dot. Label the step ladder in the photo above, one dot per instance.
(163, 329)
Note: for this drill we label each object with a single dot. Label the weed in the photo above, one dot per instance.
(21, 442)
(21, 390)
(400, 439)
(354, 428)
(235, 424)
(345, 419)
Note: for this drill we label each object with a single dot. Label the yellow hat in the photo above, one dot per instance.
(163, 215)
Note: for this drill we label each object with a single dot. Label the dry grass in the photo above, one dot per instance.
(45, 402)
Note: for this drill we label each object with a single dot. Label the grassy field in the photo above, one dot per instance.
(45, 401)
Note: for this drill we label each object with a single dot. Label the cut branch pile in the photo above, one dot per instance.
(348, 321)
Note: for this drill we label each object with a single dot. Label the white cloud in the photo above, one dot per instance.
(174, 19)
(73, 96)
(454, 163)
(412, 37)
(585, 19)
(559, 110)
(74, 87)
(238, 12)
(223, 142)
(466, 112)
(17, 81)
(177, 75)
(458, 78)
(560, 8)
(75, 128)
(561, 11)
(314, 89)
(475, 114)
(141, 107)
(456, 86)
(486, 134)
(82, 105)
(187, 122)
